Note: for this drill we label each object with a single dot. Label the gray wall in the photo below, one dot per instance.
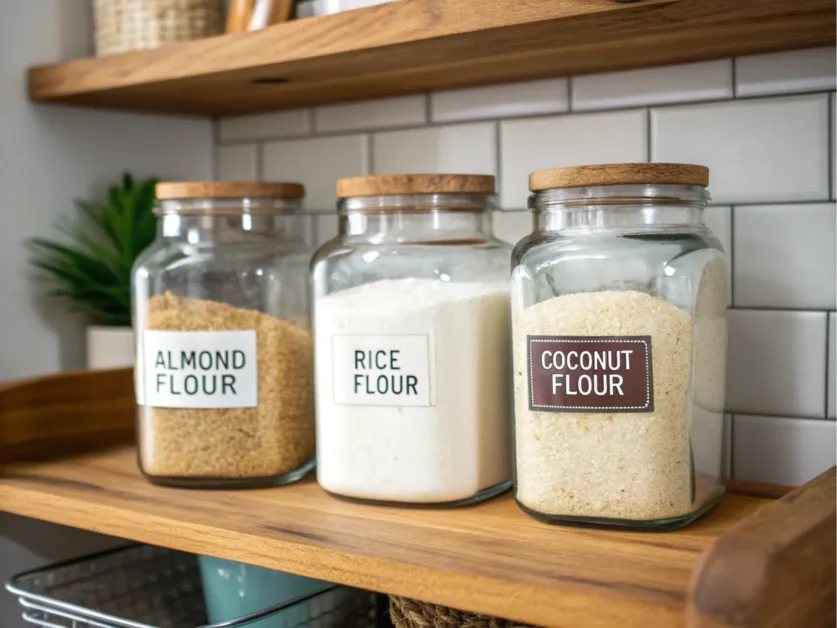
(48, 156)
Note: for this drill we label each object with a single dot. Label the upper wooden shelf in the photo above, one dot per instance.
(413, 46)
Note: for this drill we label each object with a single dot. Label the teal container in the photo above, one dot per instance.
(232, 590)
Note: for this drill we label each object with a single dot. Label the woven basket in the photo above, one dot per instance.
(407, 613)
(123, 25)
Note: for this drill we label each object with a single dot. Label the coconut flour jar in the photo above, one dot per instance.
(224, 352)
(411, 336)
(619, 335)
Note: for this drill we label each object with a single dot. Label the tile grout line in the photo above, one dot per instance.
(531, 116)
(767, 415)
(827, 374)
(428, 109)
(770, 308)
(311, 120)
(216, 148)
(813, 201)
(260, 161)
(570, 107)
(498, 160)
(370, 154)
(831, 140)
(734, 77)
(731, 256)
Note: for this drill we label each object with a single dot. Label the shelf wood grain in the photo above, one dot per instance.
(51, 414)
(776, 569)
(414, 46)
(490, 558)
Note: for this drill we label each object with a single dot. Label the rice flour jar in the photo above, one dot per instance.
(412, 363)
(619, 336)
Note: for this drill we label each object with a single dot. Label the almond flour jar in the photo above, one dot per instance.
(411, 336)
(619, 339)
(224, 353)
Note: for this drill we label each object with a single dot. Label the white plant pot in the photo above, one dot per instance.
(109, 347)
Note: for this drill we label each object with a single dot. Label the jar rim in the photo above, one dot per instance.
(232, 206)
(619, 174)
(418, 203)
(614, 197)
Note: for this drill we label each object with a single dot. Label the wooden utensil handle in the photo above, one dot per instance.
(775, 569)
(281, 11)
(239, 16)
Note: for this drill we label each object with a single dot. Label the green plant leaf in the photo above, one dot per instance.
(90, 266)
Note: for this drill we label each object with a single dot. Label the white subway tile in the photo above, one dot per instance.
(776, 363)
(257, 126)
(786, 72)
(571, 140)
(366, 115)
(832, 110)
(832, 365)
(460, 148)
(786, 256)
(512, 226)
(782, 450)
(237, 162)
(709, 80)
(317, 163)
(719, 220)
(326, 227)
(500, 101)
(762, 150)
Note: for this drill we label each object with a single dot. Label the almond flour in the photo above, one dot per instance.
(271, 439)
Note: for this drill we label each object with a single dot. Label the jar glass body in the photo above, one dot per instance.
(224, 351)
(411, 351)
(619, 303)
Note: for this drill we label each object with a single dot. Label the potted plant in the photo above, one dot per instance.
(90, 266)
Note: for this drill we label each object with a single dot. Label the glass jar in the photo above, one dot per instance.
(619, 337)
(411, 343)
(225, 388)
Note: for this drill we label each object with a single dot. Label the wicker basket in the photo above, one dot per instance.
(407, 613)
(123, 25)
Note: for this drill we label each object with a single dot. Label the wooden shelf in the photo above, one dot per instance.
(491, 558)
(764, 557)
(413, 46)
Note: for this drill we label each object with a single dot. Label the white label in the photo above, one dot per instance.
(199, 369)
(381, 370)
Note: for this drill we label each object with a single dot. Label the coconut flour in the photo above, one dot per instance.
(213, 406)
(633, 462)
(413, 394)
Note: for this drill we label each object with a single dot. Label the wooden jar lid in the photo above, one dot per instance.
(389, 184)
(228, 189)
(619, 174)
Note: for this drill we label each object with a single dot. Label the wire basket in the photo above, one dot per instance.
(141, 586)
(123, 25)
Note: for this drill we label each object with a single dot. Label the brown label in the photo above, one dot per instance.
(590, 374)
